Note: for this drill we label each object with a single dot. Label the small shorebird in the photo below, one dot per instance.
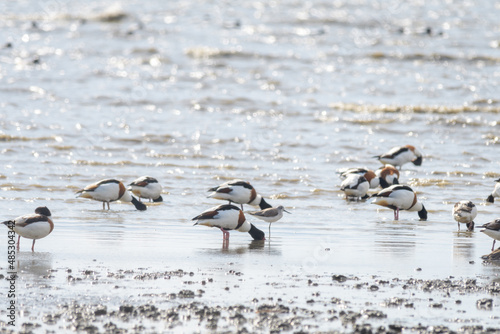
(270, 215)
(398, 156)
(34, 226)
(228, 217)
(388, 175)
(356, 186)
(146, 187)
(239, 192)
(464, 212)
(399, 197)
(109, 190)
(495, 192)
(368, 174)
(492, 229)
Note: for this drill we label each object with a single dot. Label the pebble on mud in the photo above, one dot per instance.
(484, 304)
(339, 278)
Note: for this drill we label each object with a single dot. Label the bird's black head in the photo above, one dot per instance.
(417, 161)
(159, 199)
(470, 226)
(256, 233)
(422, 213)
(490, 199)
(138, 204)
(264, 205)
(43, 210)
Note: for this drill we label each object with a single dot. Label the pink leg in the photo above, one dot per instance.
(18, 242)
(225, 234)
(396, 214)
(33, 246)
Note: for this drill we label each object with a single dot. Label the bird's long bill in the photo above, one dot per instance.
(381, 202)
(203, 222)
(10, 224)
(84, 195)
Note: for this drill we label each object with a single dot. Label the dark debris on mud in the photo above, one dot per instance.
(271, 318)
(186, 308)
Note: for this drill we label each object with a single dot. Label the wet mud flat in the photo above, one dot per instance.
(230, 301)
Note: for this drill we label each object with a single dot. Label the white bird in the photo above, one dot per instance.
(109, 190)
(492, 229)
(146, 187)
(388, 175)
(368, 174)
(34, 226)
(464, 212)
(240, 192)
(270, 215)
(356, 186)
(228, 217)
(495, 192)
(400, 197)
(398, 156)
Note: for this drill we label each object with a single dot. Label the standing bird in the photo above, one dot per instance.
(495, 192)
(34, 226)
(146, 187)
(464, 212)
(239, 192)
(399, 197)
(109, 190)
(270, 215)
(228, 217)
(368, 174)
(388, 175)
(492, 229)
(355, 186)
(398, 156)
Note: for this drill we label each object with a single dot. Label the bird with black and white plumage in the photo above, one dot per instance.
(368, 174)
(492, 229)
(269, 215)
(239, 192)
(355, 186)
(464, 212)
(228, 217)
(400, 197)
(495, 192)
(32, 226)
(109, 190)
(146, 187)
(400, 155)
(387, 175)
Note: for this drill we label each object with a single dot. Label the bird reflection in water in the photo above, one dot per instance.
(254, 244)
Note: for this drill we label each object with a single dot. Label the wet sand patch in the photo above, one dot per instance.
(143, 301)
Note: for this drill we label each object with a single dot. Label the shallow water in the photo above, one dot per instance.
(283, 95)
